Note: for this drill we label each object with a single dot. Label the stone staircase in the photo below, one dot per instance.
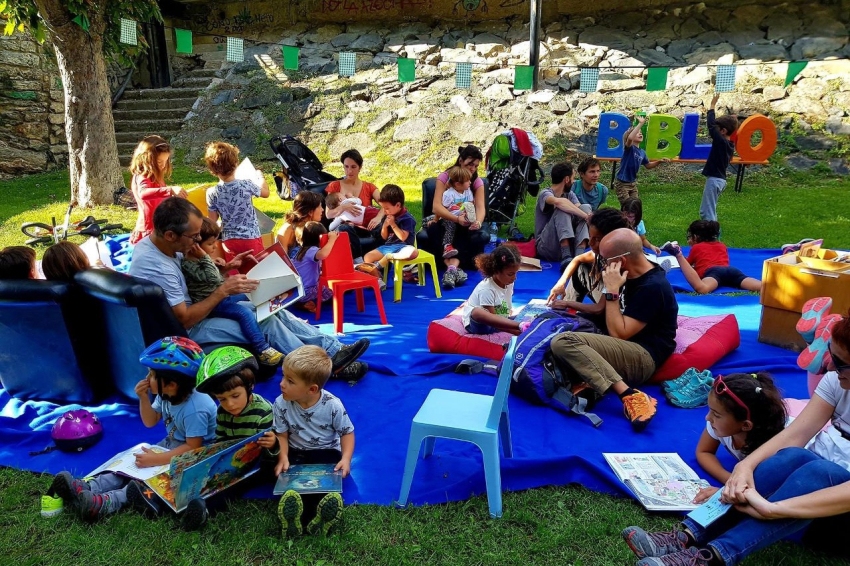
(159, 111)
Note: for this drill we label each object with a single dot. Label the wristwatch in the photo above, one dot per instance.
(612, 296)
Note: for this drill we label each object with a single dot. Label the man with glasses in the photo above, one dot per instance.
(640, 315)
(177, 228)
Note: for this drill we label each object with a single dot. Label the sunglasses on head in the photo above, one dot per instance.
(163, 147)
(604, 261)
(720, 388)
(840, 365)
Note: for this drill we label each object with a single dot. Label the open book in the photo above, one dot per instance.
(309, 478)
(124, 463)
(280, 284)
(660, 481)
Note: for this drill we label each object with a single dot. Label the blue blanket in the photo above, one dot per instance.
(549, 448)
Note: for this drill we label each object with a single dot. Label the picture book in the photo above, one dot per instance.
(206, 471)
(710, 511)
(124, 463)
(280, 285)
(309, 478)
(247, 171)
(666, 262)
(660, 481)
(533, 309)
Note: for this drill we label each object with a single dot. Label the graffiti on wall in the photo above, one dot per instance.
(354, 7)
(221, 23)
(470, 6)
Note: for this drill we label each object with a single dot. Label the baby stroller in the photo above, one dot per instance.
(302, 170)
(513, 171)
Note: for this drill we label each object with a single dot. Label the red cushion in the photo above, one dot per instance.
(700, 343)
(448, 336)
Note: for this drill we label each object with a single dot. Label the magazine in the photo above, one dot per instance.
(207, 470)
(280, 285)
(309, 478)
(124, 463)
(660, 481)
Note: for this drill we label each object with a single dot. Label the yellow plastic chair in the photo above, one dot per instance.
(422, 260)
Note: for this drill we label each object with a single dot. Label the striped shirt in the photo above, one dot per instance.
(255, 417)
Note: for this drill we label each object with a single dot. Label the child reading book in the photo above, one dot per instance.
(308, 262)
(312, 427)
(189, 418)
(203, 278)
(488, 308)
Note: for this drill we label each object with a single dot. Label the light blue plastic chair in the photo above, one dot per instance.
(480, 419)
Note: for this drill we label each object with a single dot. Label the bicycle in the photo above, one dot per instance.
(42, 233)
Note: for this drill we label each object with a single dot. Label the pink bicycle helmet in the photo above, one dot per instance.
(173, 353)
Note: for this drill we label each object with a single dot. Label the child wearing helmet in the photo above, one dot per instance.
(227, 374)
(189, 418)
(312, 427)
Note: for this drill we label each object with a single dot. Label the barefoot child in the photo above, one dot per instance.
(488, 308)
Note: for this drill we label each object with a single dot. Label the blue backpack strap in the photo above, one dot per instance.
(575, 404)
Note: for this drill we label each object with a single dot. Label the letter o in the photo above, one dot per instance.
(765, 148)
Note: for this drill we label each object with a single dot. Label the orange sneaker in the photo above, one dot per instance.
(639, 408)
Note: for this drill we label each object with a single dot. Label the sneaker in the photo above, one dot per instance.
(272, 357)
(143, 499)
(348, 353)
(449, 278)
(94, 506)
(68, 488)
(688, 557)
(461, 277)
(449, 251)
(813, 311)
(352, 373)
(328, 514)
(289, 511)
(645, 544)
(815, 357)
(372, 269)
(692, 395)
(195, 516)
(51, 506)
(791, 248)
(671, 248)
(639, 408)
(691, 375)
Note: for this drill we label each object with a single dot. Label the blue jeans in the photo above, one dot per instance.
(285, 332)
(231, 309)
(788, 473)
(710, 193)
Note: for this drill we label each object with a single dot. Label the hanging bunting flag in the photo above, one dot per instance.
(346, 64)
(656, 78)
(589, 79)
(794, 69)
(235, 49)
(463, 75)
(406, 70)
(290, 57)
(128, 32)
(82, 21)
(183, 39)
(523, 77)
(724, 80)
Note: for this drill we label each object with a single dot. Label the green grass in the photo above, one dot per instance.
(558, 525)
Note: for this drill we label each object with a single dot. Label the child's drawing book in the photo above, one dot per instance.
(533, 309)
(206, 471)
(124, 463)
(660, 481)
(309, 478)
(246, 170)
(280, 285)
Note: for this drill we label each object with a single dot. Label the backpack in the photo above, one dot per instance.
(537, 376)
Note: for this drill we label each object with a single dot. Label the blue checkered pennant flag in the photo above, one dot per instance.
(346, 64)
(463, 75)
(724, 80)
(235, 49)
(589, 79)
(128, 32)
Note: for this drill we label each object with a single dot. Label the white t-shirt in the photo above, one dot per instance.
(453, 200)
(726, 441)
(829, 444)
(489, 294)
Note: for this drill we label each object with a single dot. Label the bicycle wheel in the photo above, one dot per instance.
(37, 230)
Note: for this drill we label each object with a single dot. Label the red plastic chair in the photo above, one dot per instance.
(338, 275)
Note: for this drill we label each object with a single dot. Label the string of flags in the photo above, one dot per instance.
(656, 77)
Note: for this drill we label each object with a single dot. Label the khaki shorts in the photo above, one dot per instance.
(625, 190)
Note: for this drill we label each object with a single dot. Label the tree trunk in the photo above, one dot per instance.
(89, 127)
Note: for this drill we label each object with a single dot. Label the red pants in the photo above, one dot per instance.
(234, 247)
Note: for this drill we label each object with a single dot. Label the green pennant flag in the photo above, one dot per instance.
(183, 39)
(290, 57)
(656, 78)
(523, 77)
(406, 70)
(82, 21)
(794, 69)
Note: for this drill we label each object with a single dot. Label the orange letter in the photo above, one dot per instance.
(765, 148)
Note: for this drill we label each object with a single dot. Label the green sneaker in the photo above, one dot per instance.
(51, 506)
(328, 514)
(289, 511)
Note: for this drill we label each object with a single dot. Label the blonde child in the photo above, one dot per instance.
(625, 185)
(456, 194)
(231, 200)
(312, 427)
(488, 308)
(633, 209)
(203, 277)
(362, 218)
(308, 262)
(150, 169)
(707, 267)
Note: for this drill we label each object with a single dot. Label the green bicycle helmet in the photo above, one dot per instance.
(221, 364)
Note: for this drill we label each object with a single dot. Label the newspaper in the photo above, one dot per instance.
(660, 481)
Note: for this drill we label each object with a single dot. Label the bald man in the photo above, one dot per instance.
(640, 313)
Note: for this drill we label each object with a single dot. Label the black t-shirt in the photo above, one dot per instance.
(650, 299)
